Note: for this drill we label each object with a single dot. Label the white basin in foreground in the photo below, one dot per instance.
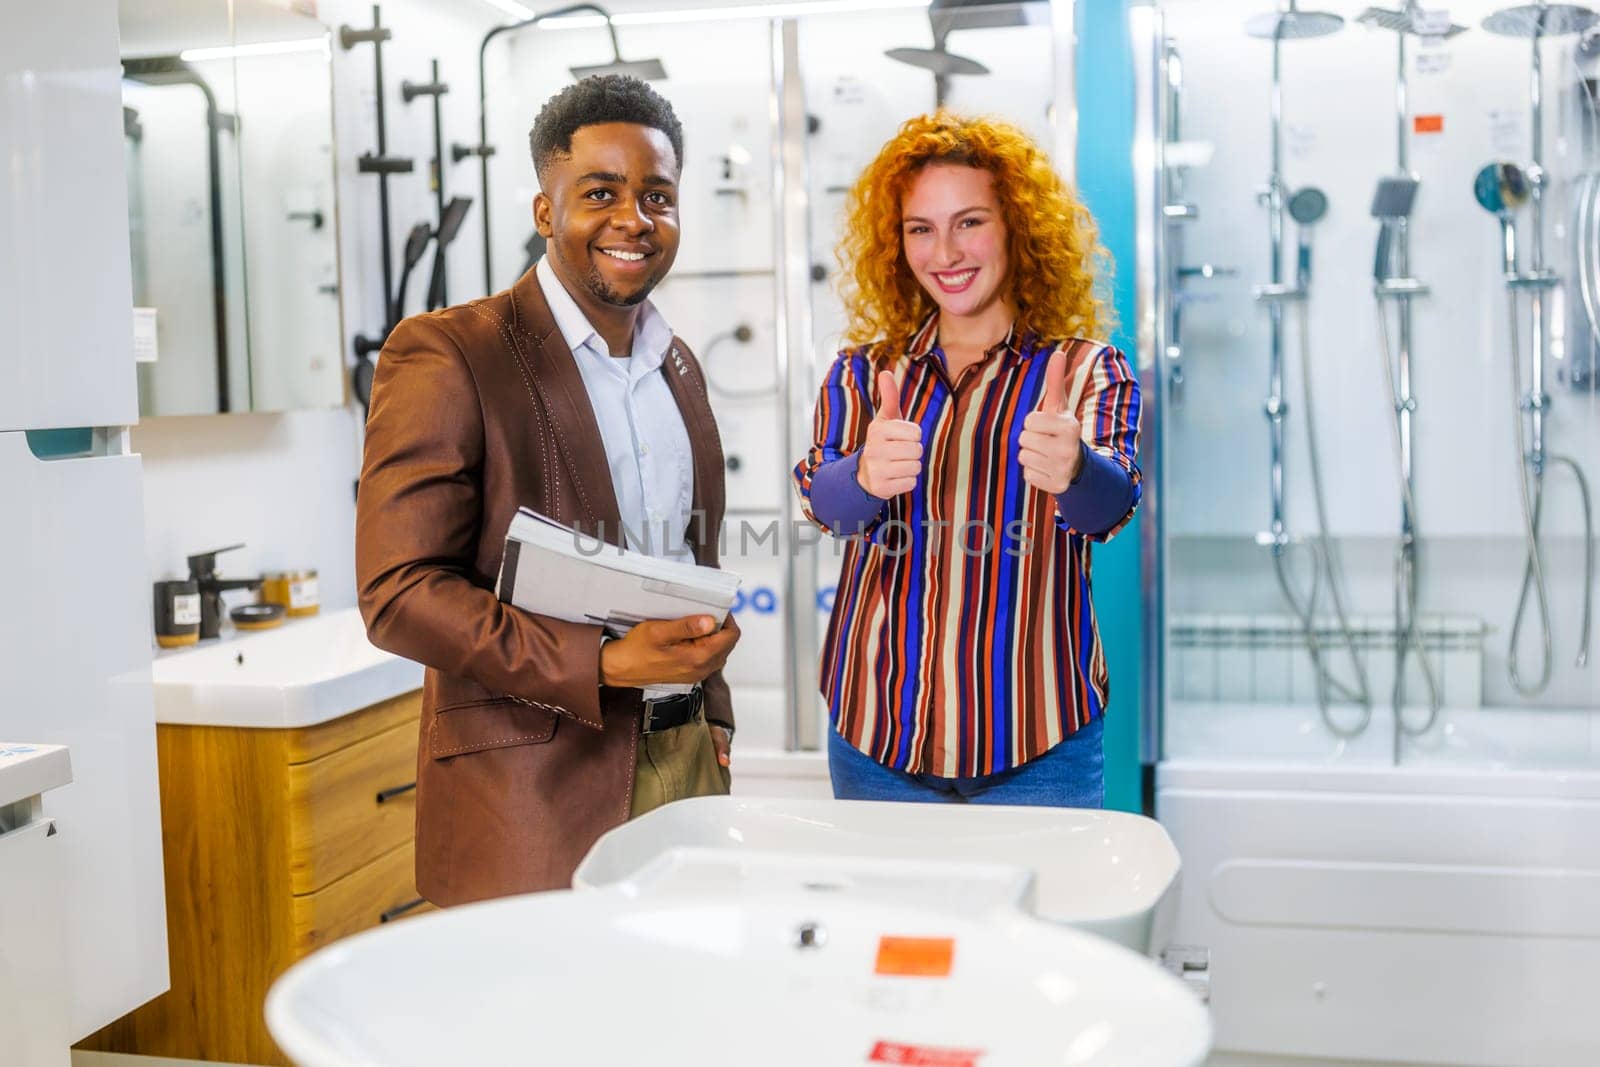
(1106, 872)
(305, 672)
(601, 978)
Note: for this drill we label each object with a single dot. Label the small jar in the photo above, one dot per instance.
(295, 590)
(177, 613)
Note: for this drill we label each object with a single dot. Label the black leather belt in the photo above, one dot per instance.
(671, 712)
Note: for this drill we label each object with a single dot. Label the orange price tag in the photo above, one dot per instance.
(916, 957)
(923, 1055)
(1428, 123)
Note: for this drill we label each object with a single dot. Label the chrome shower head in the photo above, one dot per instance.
(1308, 205)
(937, 60)
(1501, 188)
(1540, 20)
(1406, 20)
(649, 70)
(1394, 197)
(1292, 24)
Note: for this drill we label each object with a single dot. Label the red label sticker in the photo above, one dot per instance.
(923, 1055)
(1428, 123)
(916, 957)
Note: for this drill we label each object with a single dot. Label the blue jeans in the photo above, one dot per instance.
(1070, 775)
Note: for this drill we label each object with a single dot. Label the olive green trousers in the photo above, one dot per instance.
(675, 764)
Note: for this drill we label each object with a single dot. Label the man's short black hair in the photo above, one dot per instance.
(596, 99)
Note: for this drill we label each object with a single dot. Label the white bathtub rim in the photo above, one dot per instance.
(1309, 776)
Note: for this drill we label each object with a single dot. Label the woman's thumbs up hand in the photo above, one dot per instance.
(891, 459)
(1051, 451)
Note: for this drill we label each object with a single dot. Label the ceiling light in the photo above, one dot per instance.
(512, 8)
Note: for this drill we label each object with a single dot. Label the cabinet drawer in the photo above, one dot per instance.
(377, 892)
(336, 817)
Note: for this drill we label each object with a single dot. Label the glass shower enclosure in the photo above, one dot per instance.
(1367, 287)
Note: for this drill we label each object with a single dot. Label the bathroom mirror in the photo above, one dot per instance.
(227, 115)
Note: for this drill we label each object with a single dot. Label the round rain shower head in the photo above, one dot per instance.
(937, 60)
(1308, 205)
(1540, 20)
(1293, 25)
(1501, 188)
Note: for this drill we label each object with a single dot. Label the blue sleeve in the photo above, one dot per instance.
(837, 499)
(1101, 494)
(843, 414)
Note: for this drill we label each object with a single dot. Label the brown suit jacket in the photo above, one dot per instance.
(524, 758)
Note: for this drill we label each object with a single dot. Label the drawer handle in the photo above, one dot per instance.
(390, 794)
(400, 909)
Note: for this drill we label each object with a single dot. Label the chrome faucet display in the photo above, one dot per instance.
(1394, 284)
(1306, 208)
(1502, 189)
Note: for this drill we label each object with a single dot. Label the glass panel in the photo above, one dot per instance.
(1310, 290)
(290, 213)
(180, 121)
(228, 132)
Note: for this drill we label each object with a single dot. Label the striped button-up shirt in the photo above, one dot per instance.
(963, 639)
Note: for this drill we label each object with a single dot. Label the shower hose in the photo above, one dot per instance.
(1323, 561)
(1531, 496)
(1405, 562)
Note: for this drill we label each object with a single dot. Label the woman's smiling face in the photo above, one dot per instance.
(954, 237)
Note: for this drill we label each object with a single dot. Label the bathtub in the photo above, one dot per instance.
(1443, 911)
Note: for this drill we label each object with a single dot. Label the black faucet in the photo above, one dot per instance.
(203, 572)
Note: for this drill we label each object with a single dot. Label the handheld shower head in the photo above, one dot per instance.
(449, 226)
(1394, 198)
(1391, 206)
(416, 243)
(1501, 188)
(1308, 205)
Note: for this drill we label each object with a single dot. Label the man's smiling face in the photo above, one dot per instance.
(609, 212)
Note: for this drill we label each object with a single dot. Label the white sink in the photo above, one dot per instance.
(305, 672)
(1105, 872)
(716, 981)
(973, 889)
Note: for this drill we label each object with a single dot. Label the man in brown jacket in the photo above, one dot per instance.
(568, 394)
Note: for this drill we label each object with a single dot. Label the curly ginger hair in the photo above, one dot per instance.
(1052, 245)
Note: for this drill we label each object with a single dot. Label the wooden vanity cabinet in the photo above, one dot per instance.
(276, 842)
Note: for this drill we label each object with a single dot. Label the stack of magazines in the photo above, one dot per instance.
(551, 569)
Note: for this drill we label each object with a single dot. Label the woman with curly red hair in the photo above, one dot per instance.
(970, 446)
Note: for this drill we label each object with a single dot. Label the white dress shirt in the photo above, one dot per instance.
(647, 445)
